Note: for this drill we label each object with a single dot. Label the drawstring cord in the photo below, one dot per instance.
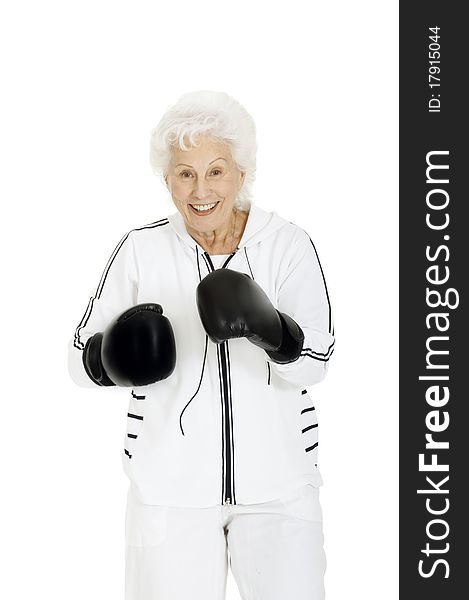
(205, 356)
(198, 388)
(249, 264)
(206, 336)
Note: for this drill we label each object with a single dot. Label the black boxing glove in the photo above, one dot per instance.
(232, 305)
(93, 363)
(292, 341)
(136, 349)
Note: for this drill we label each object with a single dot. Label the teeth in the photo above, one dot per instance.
(202, 207)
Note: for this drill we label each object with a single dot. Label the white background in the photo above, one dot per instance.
(83, 84)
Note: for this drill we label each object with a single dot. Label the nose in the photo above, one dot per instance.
(201, 190)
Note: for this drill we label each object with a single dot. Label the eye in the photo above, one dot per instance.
(184, 173)
(216, 171)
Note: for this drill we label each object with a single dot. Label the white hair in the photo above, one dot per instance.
(216, 115)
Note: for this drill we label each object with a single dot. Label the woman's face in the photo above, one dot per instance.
(204, 175)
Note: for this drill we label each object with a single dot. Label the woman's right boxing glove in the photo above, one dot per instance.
(136, 349)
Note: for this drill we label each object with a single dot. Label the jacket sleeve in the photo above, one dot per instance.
(302, 294)
(116, 291)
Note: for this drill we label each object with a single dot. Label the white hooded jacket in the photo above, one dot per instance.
(229, 425)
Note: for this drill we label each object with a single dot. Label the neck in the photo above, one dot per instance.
(225, 239)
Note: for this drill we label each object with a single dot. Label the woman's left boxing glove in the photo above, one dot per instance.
(232, 305)
(138, 348)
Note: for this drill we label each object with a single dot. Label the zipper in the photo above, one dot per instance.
(228, 467)
(228, 487)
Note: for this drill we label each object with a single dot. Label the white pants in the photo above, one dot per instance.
(275, 550)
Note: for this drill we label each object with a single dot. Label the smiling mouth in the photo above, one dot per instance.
(204, 209)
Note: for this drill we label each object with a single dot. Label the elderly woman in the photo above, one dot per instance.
(217, 317)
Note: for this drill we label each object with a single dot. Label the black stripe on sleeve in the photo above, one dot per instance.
(324, 281)
(312, 354)
(77, 341)
(132, 416)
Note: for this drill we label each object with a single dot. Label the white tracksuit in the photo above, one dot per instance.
(229, 426)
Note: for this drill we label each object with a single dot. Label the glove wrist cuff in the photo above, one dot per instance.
(292, 341)
(92, 361)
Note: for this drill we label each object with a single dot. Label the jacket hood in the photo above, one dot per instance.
(260, 224)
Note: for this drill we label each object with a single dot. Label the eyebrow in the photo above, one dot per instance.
(186, 165)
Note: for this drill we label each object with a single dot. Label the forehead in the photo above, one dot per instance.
(207, 150)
